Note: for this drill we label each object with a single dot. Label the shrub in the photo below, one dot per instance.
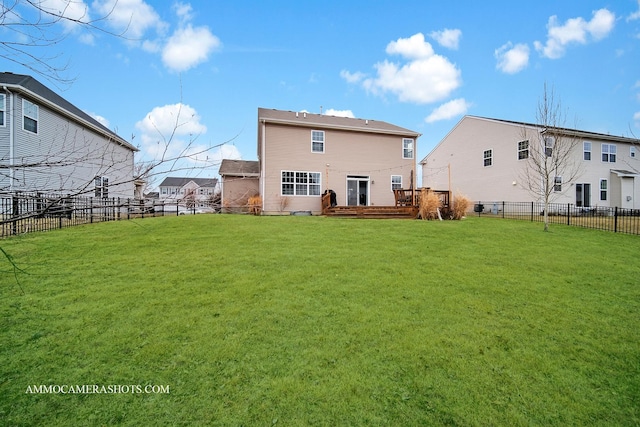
(460, 206)
(429, 204)
(255, 205)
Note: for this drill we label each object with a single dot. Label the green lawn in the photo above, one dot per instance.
(322, 321)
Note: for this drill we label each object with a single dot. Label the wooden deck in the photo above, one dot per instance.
(406, 206)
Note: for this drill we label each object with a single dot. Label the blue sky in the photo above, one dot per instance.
(417, 64)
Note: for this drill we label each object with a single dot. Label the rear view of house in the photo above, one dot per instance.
(302, 155)
(188, 192)
(240, 182)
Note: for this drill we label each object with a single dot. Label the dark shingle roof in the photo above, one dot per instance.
(239, 167)
(324, 121)
(23, 83)
(179, 182)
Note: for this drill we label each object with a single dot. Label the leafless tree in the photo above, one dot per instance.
(31, 29)
(553, 162)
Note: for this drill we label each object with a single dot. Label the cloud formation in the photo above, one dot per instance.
(447, 38)
(448, 110)
(424, 77)
(512, 59)
(188, 47)
(339, 113)
(575, 31)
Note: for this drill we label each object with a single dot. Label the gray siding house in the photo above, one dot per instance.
(484, 159)
(301, 155)
(49, 145)
(188, 192)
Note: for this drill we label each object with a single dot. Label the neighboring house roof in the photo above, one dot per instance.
(179, 182)
(239, 167)
(331, 122)
(559, 130)
(29, 86)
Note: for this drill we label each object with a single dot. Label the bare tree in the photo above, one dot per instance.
(553, 162)
(31, 28)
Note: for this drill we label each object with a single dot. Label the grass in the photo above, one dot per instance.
(322, 321)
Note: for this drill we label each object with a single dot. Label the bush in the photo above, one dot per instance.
(460, 207)
(429, 204)
(255, 205)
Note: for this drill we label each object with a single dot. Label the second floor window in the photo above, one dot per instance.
(523, 150)
(407, 148)
(632, 152)
(609, 153)
(2, 108)
(317, 141)
(29, 116)
(557, 184)
(586, 150)
(488, 157)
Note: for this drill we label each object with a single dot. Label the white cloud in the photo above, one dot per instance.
(188, 47)
(352, 77)
(512, 59)
(133, 17)
(447, 38)
(575, 31)
(170, 131)
(635, 15)
(339, 113)
(448, 110)
(426, 77)
(103, 121)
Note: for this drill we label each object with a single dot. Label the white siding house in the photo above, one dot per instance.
(484, 159)
(49, 145)
(188, 192)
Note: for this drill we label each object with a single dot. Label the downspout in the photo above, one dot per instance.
(11, 139)
(262, 164)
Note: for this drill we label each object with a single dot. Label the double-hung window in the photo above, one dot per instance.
(586, 150)
(557, 183)
(603, 189)
(407, 148)
(295, 183)
(632, 152)
(549, 142)
(396, 182)
(317, 141)
(29, 116)
(2, 108)
(609, 152)
(102, 186)
(523, 150)
(488, 157)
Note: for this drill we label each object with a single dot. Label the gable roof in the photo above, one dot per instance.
(239, 167)
(32, 88)
(322, 121)
(181, 181)
(565, 131)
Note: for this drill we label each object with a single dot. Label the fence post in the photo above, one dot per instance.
(568, 213)
(615, 220)
(15, 211)
(90, 210)
(503, 209)
(531, 211)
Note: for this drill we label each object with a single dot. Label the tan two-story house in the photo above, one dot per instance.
(485, 159)
(302, 155)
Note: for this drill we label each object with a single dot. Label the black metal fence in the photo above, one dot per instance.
(614, 219)
(22, 212)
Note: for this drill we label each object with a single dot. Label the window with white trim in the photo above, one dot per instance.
(101, 186)
(294, 183)
(586, 150)
(557, 183)
(317, 141)
(603, 189)
(549, 142)
(2, 108)
(609, 153)
(30, 112)
(523, 150)
(396, 182)
(487, 157)
(407, 148)
(632, 152)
